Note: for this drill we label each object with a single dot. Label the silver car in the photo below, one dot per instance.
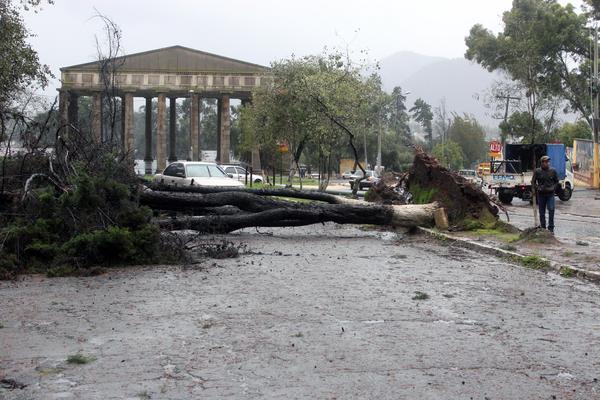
(190, 173)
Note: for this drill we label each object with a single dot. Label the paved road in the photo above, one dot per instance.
(576, 219)
(299, 317)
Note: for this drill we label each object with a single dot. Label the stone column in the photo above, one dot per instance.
(97, 117)
(73, 111)
(219, 103)
(172, 129)
(195, 127)
(224, 132)
(128, 138)
(63, 117)
(161, 133)
(148, 142)
(63, 109)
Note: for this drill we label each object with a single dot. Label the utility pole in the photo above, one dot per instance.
(596, 115)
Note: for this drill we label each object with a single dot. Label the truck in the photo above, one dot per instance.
(511, 176)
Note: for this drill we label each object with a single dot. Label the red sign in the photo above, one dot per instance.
(283, 147)
(495, 146)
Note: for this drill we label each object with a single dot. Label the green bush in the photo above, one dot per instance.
(113, 245)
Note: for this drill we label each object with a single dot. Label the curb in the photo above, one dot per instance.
(592, 276)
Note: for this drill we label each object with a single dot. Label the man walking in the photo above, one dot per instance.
(544, 184)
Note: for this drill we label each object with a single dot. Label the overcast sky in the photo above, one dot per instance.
(261, 31)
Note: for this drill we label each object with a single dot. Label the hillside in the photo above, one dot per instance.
(462, 83)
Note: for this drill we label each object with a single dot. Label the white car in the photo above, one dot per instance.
(349, 175)
(239, 173)
(190, 173)
(471, 176)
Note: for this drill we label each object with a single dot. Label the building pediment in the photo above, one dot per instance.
(176, 59)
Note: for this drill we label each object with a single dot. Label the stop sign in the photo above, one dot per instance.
(495, 146)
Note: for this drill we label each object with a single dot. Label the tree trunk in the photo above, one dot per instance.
(260, 211)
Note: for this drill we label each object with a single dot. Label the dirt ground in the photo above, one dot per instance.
(317, 312)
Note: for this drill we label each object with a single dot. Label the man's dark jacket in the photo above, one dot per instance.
(545, 180)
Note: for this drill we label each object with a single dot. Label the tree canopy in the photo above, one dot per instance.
(470, 137)
(544, 46)
(423, 115)
(19, 62)
(449, 154)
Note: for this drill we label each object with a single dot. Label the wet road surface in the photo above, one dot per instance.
(300, 317)
(576, 219)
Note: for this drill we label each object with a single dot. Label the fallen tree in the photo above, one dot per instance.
(436, 191)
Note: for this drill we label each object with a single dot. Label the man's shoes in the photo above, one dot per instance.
(551, 230)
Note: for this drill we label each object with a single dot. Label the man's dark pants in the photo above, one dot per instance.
(546, 202)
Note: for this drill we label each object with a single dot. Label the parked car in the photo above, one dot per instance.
(190, 173)
(239, 173)
(471, 176)
(371, 179)
(349, 175)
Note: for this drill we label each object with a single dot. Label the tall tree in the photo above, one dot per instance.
(319, 100)
(400, 118)
(423, 115)
(518, 127)
(544, 46)
(469, 135)
(570, 131)
(449, 154)
(441, 121)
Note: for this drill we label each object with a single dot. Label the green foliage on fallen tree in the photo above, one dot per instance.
(98, 223)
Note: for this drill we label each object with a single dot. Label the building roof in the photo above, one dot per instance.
(176, 59)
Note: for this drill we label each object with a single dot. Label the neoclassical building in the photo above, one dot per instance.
(170, 72)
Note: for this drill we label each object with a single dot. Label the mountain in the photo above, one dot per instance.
(462, 83)
(400, 66)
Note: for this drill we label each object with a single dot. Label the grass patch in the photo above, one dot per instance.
(420, 296)
(298, 335)
(569, 253)
(144, 395)
(422, 195)
(491, 227)
(534, 262)
(259, 185)
(80, 359)
(503, 236)
(566, 271)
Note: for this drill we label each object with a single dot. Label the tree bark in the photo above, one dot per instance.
(287, 192)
